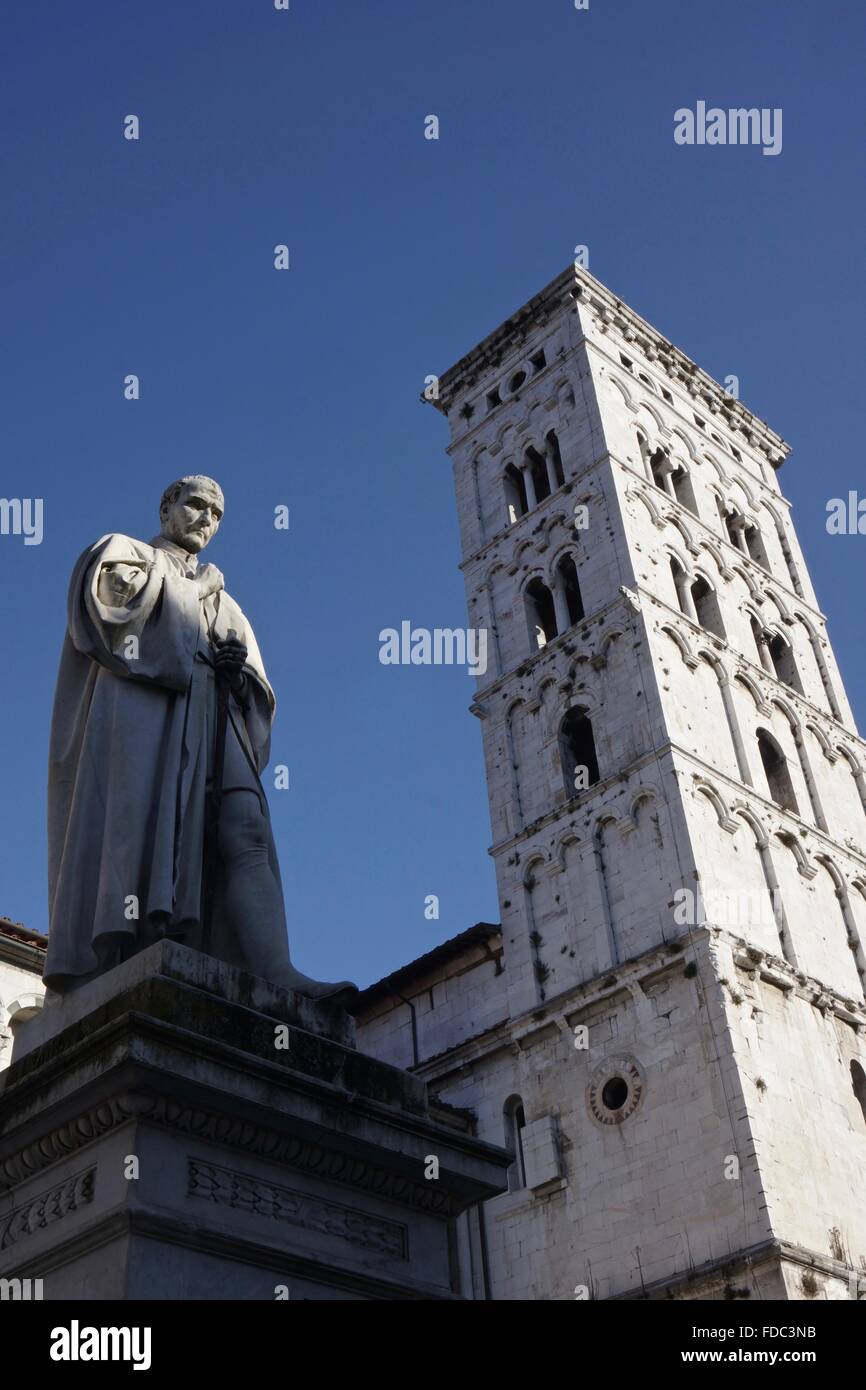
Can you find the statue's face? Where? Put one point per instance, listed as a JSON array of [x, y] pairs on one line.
[[193, 517]]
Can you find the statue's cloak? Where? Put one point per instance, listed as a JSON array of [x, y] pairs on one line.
[[131, 752]]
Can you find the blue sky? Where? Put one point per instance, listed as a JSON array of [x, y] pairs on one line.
[[301, 387]]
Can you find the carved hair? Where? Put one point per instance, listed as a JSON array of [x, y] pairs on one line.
[[173, 491]]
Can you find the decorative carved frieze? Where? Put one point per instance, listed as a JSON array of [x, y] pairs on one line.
[[222, 1129], [243, 1192], [50, 1206]]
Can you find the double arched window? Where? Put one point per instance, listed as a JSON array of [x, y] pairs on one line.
[[551, 612], [539, 474]]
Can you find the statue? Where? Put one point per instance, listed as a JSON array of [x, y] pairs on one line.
[[158, 824]]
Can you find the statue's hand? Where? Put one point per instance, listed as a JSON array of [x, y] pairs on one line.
[[209, 580], [229, 661]]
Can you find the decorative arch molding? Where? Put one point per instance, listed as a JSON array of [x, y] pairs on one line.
[[742, 811], [646, 792], [563, 549], [723, 476], [517, 703], [560, 848], [535, 572], [765, 505], [720, 806], [680, 436], [714, 659], [654, 510], [624, 824], [826, 746], [615, 380], [547, 682], [786, 616], [650, 408], [745, 678], [681, 642], [778, 702], [797, 615], [530, 878], [702, 571], [521, 550], [503, 435], [834, 871], [746, 488], [724, 570], [673, 554], [586, 699], [546, 697], [754, 588], [804, 863], [849, 756], [532, 441], [751, 610], [608, 637], [684, 530]]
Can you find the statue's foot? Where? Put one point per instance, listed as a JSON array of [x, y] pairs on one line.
[[339, 992]]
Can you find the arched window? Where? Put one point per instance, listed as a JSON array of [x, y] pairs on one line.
[[567, 574], [514, 1116], [784, 665], [538, 468], [707, 607], [645, 451], [577, 751], [515, 493], [858, 1081], [755, 547], [540, 613], [760, 642], [659, 466], [777, 774], [555, 456], [683, 490], [732, 525], [681, 585]]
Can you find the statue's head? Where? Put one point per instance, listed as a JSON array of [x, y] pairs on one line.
[[190, 512]]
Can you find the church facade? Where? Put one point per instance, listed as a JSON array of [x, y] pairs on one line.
[[668, 1029]]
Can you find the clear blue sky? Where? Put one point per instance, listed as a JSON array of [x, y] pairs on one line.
[[302, 387]]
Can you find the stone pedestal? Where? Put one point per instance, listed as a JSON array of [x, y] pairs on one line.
[[157, 1142]]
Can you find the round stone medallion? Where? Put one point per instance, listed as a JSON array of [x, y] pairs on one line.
[[615, 1090]]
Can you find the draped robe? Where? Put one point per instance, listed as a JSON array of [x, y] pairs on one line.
[[131, 755]]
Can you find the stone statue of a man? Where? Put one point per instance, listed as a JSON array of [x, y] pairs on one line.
[[133, 758]]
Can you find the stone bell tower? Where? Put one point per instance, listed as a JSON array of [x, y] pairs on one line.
[[678, 806]]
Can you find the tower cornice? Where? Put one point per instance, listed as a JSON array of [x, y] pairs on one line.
[[608, 312]]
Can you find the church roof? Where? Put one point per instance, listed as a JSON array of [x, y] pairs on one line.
[[445, 951], [16, 931]]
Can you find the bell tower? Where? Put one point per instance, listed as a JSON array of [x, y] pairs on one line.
[[678, 809]]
